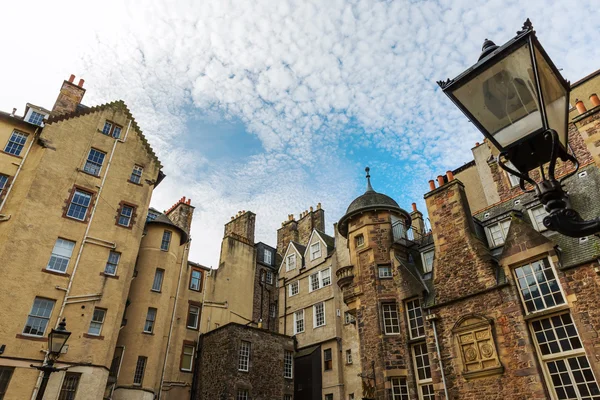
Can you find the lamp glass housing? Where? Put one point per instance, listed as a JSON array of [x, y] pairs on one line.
[[503, 98], [56, 340]]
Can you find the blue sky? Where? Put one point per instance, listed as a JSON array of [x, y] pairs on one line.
[[274, 106]]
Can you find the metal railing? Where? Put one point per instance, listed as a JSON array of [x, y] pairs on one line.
[[402, 232]]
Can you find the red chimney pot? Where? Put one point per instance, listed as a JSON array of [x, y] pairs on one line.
[[431, 184], [595, 100], [440, 179], [450, 175], [71, 78], [80, 84], [414, 206], [580, 106]]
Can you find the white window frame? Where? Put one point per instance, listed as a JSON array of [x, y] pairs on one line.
[[290, 265], [292, 285], [153, 320], [197, 314], [399, 384], [325, 273], [136, 174], [426, 381], [15, 139], [243, 394], [298, 319], [94, 163], [268, 256], [360, 240], [140, 370], [63, 257], [32, 120], [162, 277], [269, 277], [322, 303], [538, 225], [99, 323], [503, 230], [413, 321], [288, 364], [244, 356], [424, 257], [315, 251], [390, 329], [43, 317], [273, 310], [108, 262], [188, 346], [381, 271], [514, 180], [553, 269], [312, 278], [349, 318]]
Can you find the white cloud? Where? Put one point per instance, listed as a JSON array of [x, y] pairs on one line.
[[317, 82]]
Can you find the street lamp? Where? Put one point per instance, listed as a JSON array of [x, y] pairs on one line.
[[57, 338], [518, 99]]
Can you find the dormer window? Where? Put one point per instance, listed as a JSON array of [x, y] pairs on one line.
[[290, 262], [496, 233], [267, 256], [36, 118], [315, 251]]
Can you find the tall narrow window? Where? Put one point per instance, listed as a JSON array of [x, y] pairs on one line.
[[315, 250], [68, 390], [243, 394], [273, 310], [327, 360], [97, 321], [166, 241], [290, 262], [93, 164], [288, 364], [514, 180], [319, 314], [348, 356], [112, 263], [326, 277], [125, 215], [244, 356], [299, 321], [116, 133], [391, 322], [423, 376], [110, 129], [314, 281], [427, 258], [187, 357], [115, 365], [269, 277], [415, 319], [267, 256], [15, 143], [193, 317], [136, 174], [5, 375], [107, 128], [196, 280], [80, 202], [294, 288], [140, 368], [329, 396], [158, 280], [150, 319], [38, 318], [399, 389], [537, 215], [3, 184], [61, 255]]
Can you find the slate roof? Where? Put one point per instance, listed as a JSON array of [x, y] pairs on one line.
[[329, 241], [163, 219]]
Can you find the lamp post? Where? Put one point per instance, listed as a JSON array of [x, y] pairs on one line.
[[56, 341], [518, 99]]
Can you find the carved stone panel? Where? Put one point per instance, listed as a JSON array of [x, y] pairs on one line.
[[477, 347]]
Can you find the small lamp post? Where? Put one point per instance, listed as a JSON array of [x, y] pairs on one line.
[[57, 338], [518, 99]]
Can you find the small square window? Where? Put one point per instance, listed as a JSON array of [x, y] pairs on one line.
[[36, 118], [360, 240], [97, 321], [16, 143], [61, 255], [107, 128], [93, 164], [537, 215], [385, 271], [80, 202], [126, 215]]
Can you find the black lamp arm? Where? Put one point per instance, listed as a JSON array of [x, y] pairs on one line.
[[522, 178]]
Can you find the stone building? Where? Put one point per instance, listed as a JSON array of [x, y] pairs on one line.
[[311, 309], [240, 362], [504, 309], [75, 186], [243, 289]]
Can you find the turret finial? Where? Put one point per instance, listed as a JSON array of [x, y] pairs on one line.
[[369, 187]]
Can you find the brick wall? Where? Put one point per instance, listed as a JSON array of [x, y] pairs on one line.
[[217, 376]]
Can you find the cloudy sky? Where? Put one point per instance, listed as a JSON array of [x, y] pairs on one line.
[[273, 106]]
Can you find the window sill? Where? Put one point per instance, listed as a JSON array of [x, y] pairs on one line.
[[132, 182], [148, 333], [83, 221], [32, 338], [109, 275], [49, 271], [165, 250], [87, 173], [191, 328], [155, 291], [189, 371], [97, 337], [10, 154], [386, 277], [130, 226]]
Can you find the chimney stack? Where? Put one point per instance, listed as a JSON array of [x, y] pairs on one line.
[[242, 226], [595, 100], [181, 214], [69, 97], [418, 224], [13, 113], [414, 206], [580, 106]]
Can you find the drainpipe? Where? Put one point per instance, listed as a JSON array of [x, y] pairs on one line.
[[432, 318], [183, 261], [19, 168]]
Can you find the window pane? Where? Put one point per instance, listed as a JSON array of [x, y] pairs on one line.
[[140, 367], [79, 205], [68, 389], [136, 174], [166, 240], [326, 277], [415, 319], [539, 286], [422, 361], [15, 143], [61, 254], [187, 358], [299, 321], [193, 314], [112, 263], [5, 375], [288, 362], [399, 389], [107, 127], [314, 281], [390, 318], [125, 216], [244, 356], [93, 165], [38, 317], [158, 278], [319, 313]]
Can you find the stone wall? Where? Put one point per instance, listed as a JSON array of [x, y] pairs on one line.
[[242, 226], [181, 213], [217, 375], [265, 294]]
